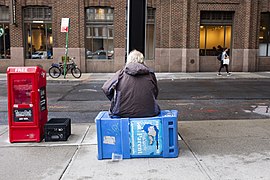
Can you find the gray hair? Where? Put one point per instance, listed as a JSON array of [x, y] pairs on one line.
[[135, 57]]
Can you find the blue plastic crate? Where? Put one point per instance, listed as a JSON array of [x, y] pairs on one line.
[[137, 137]]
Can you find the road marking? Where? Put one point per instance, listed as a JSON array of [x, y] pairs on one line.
[[87, 90], [57, 107], [183, 104]]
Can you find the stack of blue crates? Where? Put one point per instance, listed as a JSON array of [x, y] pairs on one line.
[[138, 137]]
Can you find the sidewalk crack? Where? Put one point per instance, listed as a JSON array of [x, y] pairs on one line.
[[5, 131], [75, 153], [199, 164]]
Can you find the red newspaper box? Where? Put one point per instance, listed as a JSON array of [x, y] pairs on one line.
[[27, 103]]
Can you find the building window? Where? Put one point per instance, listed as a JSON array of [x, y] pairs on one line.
[[150, 34], [264, 37], [38, 32], [99, 33], [215, 32], [213, 39], [4, 33]]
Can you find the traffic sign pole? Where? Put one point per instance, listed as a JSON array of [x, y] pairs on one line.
[[65, 28], [66, 53]]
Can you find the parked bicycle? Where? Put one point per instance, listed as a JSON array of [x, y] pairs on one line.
[[57, 69]]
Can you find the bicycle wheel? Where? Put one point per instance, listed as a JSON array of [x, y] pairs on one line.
[[76, 72], [54, 72]]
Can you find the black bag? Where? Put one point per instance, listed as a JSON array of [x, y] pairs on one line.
[[219, 57]]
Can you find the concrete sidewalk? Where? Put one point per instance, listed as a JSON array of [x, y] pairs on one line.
[[209, 150]]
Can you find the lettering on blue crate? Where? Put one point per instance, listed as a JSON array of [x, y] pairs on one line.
[[146, 137], [109, 140], [114, 129]]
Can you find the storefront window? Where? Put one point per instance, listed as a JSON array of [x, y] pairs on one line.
[[215, 32], [99, 33], [264, 37], [213, 39], [150, 34], [38, 33], [4, 33]]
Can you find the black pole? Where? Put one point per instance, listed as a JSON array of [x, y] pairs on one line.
[[136, 25]]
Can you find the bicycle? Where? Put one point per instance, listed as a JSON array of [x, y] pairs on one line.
[[57, 69]]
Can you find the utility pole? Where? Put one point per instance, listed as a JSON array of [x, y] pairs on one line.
[[136, 25]]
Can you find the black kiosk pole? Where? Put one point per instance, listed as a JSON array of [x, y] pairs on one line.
[[136, 25]]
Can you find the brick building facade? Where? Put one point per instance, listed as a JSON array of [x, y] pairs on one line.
[[178, 43]]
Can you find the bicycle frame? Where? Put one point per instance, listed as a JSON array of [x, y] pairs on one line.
[[57, 69], [69, 66]]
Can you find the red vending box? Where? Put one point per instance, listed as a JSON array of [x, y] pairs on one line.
[[27, 103]]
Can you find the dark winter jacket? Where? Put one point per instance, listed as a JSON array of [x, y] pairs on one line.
[[133, 92]]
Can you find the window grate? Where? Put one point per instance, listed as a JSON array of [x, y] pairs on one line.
[[216, 16], [4, 11], [37, 13], [99, 14]]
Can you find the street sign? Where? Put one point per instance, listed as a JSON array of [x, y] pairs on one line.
[[64, 24]]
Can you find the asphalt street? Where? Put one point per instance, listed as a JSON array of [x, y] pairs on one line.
[[196, 100]]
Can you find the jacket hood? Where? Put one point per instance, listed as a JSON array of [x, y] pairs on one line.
[[136, 69]]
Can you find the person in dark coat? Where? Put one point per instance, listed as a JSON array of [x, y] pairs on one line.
[[133, 90]]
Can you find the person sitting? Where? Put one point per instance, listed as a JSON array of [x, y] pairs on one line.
[[133, 90]]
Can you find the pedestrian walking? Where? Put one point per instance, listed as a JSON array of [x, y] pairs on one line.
[[224, 62]]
